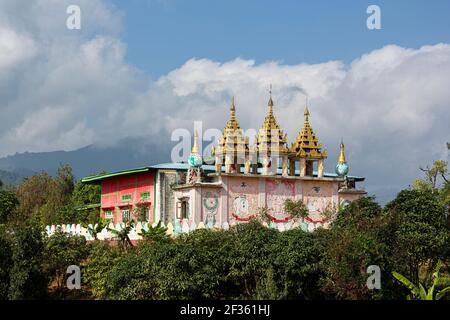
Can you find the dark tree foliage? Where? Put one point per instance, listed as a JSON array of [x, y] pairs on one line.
[[247, 262], [5, 264], [354, 242], [83, 196], [418, 232], [61, 251], [27, 278], [294, 267], [8, 205], [96, 268]]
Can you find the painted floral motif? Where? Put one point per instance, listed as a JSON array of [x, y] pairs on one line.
[[318, 201], [277, 192], [243, 199], [211, 202]]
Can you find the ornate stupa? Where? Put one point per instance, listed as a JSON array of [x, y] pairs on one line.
[[271, 143], [195, 161], [195, 158], [342, 166], [232, 148], [308, 149]]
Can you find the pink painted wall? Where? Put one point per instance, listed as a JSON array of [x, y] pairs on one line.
[[243, 198], [132, 184]]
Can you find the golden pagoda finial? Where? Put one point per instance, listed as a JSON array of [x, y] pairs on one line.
[[306, 113], [342, 153], [307, 145], [195, 148], [270, 104], [232, 122]]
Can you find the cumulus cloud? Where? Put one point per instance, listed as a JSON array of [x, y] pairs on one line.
[[64, 89]]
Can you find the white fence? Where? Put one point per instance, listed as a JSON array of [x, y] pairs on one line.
[[179, 227]]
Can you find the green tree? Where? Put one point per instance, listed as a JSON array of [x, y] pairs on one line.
[[354, 242], [58, 208], [33, 194], [192, 266], [5, 264], [439, 169], [8, 205], [294, 267], [123, 234], [85, 195], [250, 243], [61, 251], [100, 262], [155, 234], [296, 209], [27, 279], [418, 232], [96, 228]]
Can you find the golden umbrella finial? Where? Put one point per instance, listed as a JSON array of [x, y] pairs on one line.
[[195, 148], [270, 104], [342, 153], [306, 113]]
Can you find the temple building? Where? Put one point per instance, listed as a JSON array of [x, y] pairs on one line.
[[243, 181]]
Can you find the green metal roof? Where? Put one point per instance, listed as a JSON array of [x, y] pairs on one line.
[[100, 177], [89, 206], [185, 166]]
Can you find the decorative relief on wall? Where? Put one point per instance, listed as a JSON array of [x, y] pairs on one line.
[[243, 199], [277, 191], [318, 199], [210, 205]]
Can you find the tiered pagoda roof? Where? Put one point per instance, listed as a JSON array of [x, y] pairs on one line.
[[232, 141], [271, 139], [307, 145]]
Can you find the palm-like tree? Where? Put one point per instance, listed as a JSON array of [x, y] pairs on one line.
[[96, 228], [419, 292], [154, 234], [123, 234]]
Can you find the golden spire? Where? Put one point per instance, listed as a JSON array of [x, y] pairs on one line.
[[232, 122], [270, 137], [341, 153], [306, 113], [232, 141], [195, 148], [270, 104], [307, 145]]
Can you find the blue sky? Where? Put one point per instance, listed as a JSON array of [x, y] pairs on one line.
[[163, 34]]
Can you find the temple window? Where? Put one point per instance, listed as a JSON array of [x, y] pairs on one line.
[[126, 215], [183, 208], [147, 214], [126, 197], [109, 214]]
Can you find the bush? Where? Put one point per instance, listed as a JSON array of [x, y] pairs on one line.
[[98, 265], [61, 251], [27, 279]]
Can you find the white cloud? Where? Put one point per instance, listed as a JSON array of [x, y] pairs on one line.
[[60, 89]]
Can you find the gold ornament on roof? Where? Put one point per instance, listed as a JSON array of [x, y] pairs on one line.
[[232, 141], [306, 145], [342, 153], [270, 138], [195, 149]]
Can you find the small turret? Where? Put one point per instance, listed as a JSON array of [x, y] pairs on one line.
[[342, 166]]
